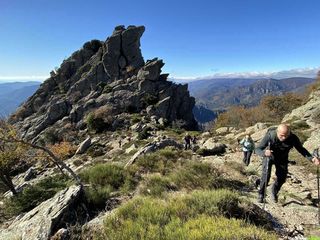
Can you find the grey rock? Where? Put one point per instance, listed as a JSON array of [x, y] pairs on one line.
[[84, 146], [40, 222], [30, 174], [152, 147]]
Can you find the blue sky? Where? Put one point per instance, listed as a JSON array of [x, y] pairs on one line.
[[194, 38]]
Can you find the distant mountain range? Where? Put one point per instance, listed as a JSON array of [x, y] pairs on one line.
[[212, 96], [14, 94], [218, 94]]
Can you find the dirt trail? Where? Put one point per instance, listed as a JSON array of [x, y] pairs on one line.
[[296, 214]]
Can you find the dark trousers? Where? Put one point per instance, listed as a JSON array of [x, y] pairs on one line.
[[246, 157], [187, 145], [281, 174]]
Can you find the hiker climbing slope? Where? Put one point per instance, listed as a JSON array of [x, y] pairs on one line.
[[274, 148], [247, 148]]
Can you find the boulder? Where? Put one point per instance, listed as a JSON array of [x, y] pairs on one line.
[[84, 146], [41, 222]]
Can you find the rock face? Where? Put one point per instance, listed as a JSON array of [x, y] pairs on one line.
[[310, 113], [111, 73], [40, 222]]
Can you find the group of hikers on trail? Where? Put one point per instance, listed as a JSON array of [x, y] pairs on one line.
[[274, 149], [188, 140]]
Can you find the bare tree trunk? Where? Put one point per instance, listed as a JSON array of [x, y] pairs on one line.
[[8, 182], [54, 158]]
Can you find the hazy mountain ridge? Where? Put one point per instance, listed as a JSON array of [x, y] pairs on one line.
[[220, 94], [14, 94]]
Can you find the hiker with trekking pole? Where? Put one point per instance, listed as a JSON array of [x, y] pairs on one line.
[[274, 149]]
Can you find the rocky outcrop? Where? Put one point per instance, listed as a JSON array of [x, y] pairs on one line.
[[111, 73], [152, 147], [41, 222], [310, 114]]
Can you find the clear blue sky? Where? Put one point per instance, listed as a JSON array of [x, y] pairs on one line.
[[194, 38]]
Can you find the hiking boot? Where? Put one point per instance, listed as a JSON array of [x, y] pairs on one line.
[[274, 197], [274, 194], [260, 198]]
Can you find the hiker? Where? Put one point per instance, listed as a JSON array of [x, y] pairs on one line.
[[187, 142], [274, 148], [247, 148], [194, 140]]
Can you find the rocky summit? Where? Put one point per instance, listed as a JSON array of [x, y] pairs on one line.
[[111, 75]]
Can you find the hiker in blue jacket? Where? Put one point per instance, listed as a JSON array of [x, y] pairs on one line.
[[247, 148], [274, 148]]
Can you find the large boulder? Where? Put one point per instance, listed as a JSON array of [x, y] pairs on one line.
[[41, 222]]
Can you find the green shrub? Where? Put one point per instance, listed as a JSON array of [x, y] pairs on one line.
[[50, 137], [176, 218], [97, 196], [213, 203], [161, 161], [209, 152], [156, 186], [196, 175], [144, 134], [104, 174], [32, 196], [95, 124], [103, 179]]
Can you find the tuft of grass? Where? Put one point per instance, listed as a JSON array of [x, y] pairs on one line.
[[103, 179], [195, 175], [157, 185], [162, 161], [199, 216]]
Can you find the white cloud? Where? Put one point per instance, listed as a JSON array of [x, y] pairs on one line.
[[23, 78], [298, 72]]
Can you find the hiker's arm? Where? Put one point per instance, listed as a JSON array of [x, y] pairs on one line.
[[304, 152], [260, 149]]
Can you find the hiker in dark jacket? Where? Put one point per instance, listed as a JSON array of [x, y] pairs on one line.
[[187, 141], [274, 148]]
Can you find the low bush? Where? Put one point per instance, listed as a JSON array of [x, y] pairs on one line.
[[103, 179], [156, 186], [195, 175], [163, 161], [199, 216]]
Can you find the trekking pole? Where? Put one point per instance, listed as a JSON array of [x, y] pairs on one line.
[[266, 180], [265, 183], [318, 195], [316, 154]]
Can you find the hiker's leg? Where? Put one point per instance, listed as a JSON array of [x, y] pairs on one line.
[[244, 157], [249, 153], [266, 172], [281, 173]]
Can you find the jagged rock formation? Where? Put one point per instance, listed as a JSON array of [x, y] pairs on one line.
[[111, 73]]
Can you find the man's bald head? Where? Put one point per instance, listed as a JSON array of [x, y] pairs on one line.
[[283, 132]]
